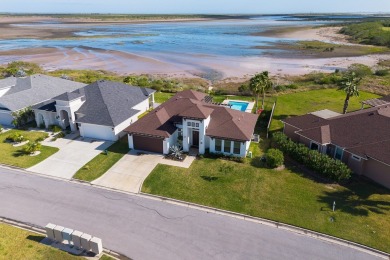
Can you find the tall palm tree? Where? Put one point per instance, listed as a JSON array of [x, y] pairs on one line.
[[259, 84], [350, 86]]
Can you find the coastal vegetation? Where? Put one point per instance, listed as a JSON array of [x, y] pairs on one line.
[[373, 33]]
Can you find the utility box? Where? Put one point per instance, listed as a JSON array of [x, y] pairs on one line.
[[58, 233], [96, 245], [85, 238], [67, 234], [50, 231], [76, 238]]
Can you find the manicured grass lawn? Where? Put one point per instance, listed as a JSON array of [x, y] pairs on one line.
[[161, 97], [14, 155], [101, 163], [362, 209], [17, 243], [301, 103]]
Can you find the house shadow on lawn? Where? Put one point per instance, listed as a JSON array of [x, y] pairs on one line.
[[355, 199]]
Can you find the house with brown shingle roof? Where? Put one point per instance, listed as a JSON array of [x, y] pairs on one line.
[[191, 119], [360, 139]]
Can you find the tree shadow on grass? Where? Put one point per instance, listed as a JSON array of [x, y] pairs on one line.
[[19, 153], [355, 199], [209, 178]]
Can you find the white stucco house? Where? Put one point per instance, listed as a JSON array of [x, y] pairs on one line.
[[20, 93], [191, 120], [101, 110]]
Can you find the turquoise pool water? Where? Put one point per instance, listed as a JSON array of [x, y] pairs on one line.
[[236, 105]]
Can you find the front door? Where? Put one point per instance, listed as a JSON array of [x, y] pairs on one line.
[[195, 138]]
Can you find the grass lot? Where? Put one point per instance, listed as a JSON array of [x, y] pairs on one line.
[[25, 245], [14, 155], [304, 102], [101, 163], [362, 209]]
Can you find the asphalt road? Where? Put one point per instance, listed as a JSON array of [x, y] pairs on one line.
[[141, 228]]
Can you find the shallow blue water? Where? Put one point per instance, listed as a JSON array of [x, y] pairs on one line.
[[241, 106], [223, 37]]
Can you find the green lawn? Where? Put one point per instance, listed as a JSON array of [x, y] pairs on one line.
[[14, 155], [362, 209], [101, 163], [17, 243], [301, 103]]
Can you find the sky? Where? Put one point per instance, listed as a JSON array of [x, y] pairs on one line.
[[194, 6]]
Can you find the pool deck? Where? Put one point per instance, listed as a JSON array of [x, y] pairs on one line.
[[248, 109]]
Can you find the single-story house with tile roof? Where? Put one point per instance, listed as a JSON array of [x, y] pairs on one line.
[[360, 139], [101, 110], [190, 119], [20, 93]]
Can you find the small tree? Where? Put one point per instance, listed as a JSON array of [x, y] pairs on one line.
[[259, 84], [274, 158], [350, 86], [32, 147]]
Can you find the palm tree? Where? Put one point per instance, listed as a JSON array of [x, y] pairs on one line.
[[350, 86], [259, 84]]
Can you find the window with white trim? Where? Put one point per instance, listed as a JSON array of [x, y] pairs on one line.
[[338, 153], [236, 147], [218, 145], [226, 147]]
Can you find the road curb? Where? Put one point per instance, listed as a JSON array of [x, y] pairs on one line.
[[41, 230], [263, 221], [275, 224]]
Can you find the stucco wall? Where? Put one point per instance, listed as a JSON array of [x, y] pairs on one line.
[[377, 171], [143, 106]]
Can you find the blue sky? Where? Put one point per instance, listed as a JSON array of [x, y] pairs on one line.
[[193, 6]]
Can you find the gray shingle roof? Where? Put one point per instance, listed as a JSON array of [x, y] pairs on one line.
[[34, 89], [110, 103], [69, 96]]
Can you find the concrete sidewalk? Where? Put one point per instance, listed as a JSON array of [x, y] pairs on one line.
[[129, 173]]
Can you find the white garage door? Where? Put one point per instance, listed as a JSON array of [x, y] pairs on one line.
[[97, 132], [5, 118]]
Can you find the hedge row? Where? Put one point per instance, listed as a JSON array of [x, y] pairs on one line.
[[321, 163]]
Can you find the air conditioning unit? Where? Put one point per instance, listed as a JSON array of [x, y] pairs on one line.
[[50, 230]]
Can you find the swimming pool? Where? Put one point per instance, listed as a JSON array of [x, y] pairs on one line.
[[236, 105]]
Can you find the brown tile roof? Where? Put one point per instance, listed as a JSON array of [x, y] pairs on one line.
[[225, 122], [364, 131]]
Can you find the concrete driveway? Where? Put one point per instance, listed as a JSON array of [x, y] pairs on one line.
[[129, 173], [73, 155]]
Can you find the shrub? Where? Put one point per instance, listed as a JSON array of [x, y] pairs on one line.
[[322, 164], [274, 157], [17, 138], [381, 73], [42, 138], [360, 70], [32, 147], [55, 128]]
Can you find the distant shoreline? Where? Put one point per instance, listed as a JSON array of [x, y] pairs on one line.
[[307, 55]]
